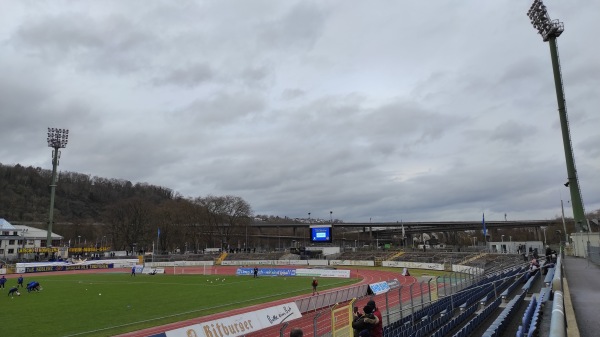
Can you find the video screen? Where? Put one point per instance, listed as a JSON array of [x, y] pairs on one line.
[[320, 234]]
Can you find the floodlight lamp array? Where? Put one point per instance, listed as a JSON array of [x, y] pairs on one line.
[[547, 28], [58, 138]]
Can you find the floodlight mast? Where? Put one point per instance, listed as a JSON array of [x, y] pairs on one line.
[[57, 139], [550, 30]]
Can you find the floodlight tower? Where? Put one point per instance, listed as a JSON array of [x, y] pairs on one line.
[[550, 30], [57, 139]]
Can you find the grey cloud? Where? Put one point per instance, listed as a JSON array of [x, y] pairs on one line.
[[299, 28], [512, 132], [590, 146], [109, 43], [290, 94], [223, 109], [189, 76], [254, 75]]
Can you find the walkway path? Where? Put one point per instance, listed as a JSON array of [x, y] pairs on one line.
[[583, 278]]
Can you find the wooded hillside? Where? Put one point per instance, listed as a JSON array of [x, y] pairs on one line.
[[95, 210]]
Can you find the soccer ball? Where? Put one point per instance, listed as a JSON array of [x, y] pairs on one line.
[[18, 293]]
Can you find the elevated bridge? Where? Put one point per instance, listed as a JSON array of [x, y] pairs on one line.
[[389, 230]]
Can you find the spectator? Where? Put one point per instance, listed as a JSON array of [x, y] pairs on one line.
[[534, 265], [365, 333], [296, 332], [378, 329], [550, 255], [364, 324]]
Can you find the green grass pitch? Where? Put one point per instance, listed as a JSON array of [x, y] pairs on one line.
[[107, 304]]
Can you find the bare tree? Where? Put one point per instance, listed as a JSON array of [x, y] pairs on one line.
[[130, 223], [226, 215]]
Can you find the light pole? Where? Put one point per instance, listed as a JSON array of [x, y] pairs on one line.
[[24, 241], [309, 224], [57, 139], [502, 237], [474, 238], [102, 248], [550, 30], [544, 229], [562, 209]]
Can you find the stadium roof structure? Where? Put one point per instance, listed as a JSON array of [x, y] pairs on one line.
[[6, 226], [32, 233]]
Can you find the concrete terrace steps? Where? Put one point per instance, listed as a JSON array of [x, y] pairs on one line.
[[221, 258], [478, 256], [398, 254]]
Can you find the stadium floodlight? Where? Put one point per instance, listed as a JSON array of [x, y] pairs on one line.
[[550, 30], [546, 27], [57, 139]]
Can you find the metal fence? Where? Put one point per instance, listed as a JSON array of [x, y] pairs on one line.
[[394, 305], [594, 254]]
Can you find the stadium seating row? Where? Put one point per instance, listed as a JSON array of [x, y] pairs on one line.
[[476, 321], [499, 325], [438, 316], [469, 299], [454, 322]]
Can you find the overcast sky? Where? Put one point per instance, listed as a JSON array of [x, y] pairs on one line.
[[385, 110]]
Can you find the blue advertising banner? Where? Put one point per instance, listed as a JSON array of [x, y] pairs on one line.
[[266, 272], [379, 287]]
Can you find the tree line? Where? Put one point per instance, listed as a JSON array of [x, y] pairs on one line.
[[91, 210]]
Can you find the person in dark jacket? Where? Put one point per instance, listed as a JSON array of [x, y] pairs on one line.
[[14, 291], [378, 330], [365, 333], [367, 321]]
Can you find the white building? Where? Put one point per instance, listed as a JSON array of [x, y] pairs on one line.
[[24, 242], [512, 247], [580, 241]]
